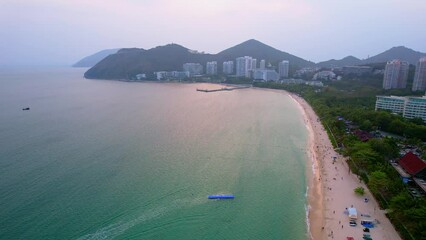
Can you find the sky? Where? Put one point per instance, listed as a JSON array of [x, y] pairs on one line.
[[60, 32]]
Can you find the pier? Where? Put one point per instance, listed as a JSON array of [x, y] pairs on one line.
[[221, 89]]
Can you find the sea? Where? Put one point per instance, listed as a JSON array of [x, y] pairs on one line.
[[102, 159]]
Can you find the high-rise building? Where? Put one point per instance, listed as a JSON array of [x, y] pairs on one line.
[[244, 66], [253, 63], [283, 69], [396, 74], [211, 68], [419, 83], [193, 68], [262, 64], [228, 67]]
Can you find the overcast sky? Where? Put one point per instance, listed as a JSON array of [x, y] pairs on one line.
[[55, 32]]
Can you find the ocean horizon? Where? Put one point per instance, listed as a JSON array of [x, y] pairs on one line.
[[100, 159]]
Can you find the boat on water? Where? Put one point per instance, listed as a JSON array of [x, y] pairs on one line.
[[26, 109], [221, 196]]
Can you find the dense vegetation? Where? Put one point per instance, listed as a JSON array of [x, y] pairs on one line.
[[354, 100]]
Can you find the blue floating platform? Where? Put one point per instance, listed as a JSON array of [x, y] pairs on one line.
[[221, 197]]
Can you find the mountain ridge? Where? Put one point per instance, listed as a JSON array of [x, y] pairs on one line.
[[399, 52], [171, 57], [127, 62], [93, 59]]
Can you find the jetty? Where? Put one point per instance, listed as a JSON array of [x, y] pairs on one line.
[[221, 89]]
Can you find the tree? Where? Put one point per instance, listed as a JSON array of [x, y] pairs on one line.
[[379, 182], [359, 191]]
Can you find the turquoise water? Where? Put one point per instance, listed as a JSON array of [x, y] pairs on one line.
[[97, 159]]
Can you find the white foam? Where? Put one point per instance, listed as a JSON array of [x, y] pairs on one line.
[[116, 229]]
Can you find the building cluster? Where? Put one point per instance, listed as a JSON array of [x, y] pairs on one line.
[[247, 67], [409, 107], [396, 75], [324, 75], [244, 67]]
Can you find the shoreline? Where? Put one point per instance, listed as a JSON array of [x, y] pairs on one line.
[[331, 187]]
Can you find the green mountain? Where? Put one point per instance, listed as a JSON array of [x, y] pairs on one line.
[[91, 60], [259, 50], [347, 61], [126, 63], [400, 52]]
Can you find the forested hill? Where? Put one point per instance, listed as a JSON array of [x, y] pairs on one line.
[[125, 64]]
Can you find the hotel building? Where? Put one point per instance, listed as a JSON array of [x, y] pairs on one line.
[[409, 107]]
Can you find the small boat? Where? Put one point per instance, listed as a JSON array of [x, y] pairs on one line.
[[221, 196], [26, 109]]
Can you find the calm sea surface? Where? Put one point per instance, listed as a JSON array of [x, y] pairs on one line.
[[96, 159]]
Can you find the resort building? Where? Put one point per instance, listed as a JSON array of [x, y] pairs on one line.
[[396, 74], [244, 66], [228, 67], [392, 103], [283, 69], [193, 68], [409, 107], [265, 75], [419, 83], [415, 107], [324, 75], [211, 68]]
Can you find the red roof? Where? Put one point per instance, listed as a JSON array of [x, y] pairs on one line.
[[411, 163]]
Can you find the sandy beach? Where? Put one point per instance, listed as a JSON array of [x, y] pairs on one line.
[[331, 190]]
